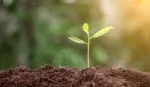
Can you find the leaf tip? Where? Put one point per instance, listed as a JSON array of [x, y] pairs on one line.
[[85, 27], [110, 27]]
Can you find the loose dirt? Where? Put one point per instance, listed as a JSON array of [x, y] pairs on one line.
[[49, 76]]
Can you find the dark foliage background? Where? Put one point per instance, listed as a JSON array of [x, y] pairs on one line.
[[35, 32]]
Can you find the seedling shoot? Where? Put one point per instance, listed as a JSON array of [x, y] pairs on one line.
[[85, 28]]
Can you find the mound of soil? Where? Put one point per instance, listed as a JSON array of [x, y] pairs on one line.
[[49, 76]]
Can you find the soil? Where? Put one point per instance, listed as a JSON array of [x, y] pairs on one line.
[[49, 76]]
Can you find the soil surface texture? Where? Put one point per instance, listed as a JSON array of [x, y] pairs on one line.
[[49, 76]]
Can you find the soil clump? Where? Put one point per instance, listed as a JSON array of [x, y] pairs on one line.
[[49, 76]]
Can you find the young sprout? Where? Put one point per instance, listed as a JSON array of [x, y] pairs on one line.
[[85, 28]]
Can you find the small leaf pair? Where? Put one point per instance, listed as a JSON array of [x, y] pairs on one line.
[[86, 30]]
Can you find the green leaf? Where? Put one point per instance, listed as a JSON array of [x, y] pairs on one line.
[[77, 40], [101, 32], [86, 28]]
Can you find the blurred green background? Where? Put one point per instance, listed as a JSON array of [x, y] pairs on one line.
[[35, 32]]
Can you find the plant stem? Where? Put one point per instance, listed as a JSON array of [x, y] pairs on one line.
[[88, 52]]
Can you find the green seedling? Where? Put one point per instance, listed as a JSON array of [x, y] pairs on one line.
[[85, 28]]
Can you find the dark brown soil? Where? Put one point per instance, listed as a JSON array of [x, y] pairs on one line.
[[50, 76]]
